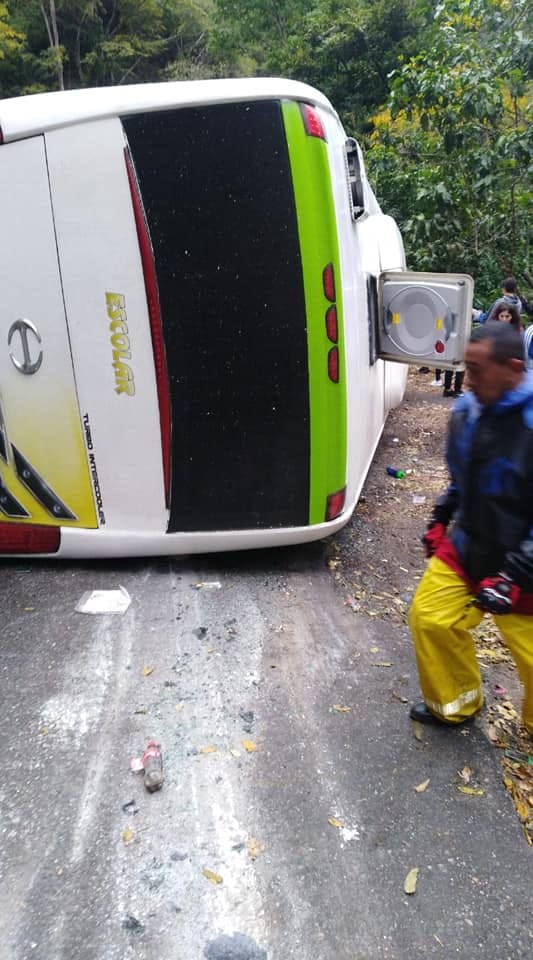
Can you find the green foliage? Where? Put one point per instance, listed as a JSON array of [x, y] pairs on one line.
[[347, 49], [344, 47], [11, 47], [247, 34], [106, 41], [452, 155], [10, 39]]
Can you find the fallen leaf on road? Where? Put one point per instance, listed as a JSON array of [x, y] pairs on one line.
[[249, 745], [422, 786], [333, 822], [211, 748], [494, 656], [520, 790], [341, 708], [127, 836], [522, 809], [381, 663], [466, 774], [146, 671], [212, 876], [179, 707], [254, 848], [471, 791], [506, 709], [410, 881], [400, 697], [418, 730], [234, 752]]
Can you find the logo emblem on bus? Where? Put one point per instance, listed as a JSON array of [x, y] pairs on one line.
[[26, 341]]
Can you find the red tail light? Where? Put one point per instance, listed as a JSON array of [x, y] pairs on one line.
[[335, 504], [331, 324], [328, 282], [28, 538], [333, 364], [156, 326], [312, 122]]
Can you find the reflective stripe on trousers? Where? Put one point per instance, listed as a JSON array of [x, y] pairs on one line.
[[441, 618]]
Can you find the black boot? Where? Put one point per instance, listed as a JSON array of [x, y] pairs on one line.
[[422, 713]]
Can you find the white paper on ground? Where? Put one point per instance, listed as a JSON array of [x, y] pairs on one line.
[[104, 601]]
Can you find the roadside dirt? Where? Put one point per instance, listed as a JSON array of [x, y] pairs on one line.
[[378, 557], [377, 561]]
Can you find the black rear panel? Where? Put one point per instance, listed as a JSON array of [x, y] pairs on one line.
[[218, 197]]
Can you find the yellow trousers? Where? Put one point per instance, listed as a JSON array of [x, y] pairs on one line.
[[441, 618]]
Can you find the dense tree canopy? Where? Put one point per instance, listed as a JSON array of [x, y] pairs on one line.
[[437, 91], [452, 151], [79, 43]]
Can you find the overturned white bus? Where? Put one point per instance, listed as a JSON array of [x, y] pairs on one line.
[[198, 285]]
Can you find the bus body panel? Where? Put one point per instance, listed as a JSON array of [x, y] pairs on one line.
[[108, 323], [40, 112], [319, 244], [129, 543], [368, 400], [44, 473]]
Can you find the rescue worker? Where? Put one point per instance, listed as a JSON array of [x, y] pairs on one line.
[[485, 562]]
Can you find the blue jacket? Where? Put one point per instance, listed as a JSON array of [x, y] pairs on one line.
[[490, 496]]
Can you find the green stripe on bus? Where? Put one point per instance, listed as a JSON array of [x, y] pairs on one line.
[[319, 246]]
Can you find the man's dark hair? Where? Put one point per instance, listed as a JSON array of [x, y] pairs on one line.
[[510, 285], [507, 343]]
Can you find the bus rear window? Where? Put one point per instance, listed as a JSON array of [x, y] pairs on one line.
[[217, 191]]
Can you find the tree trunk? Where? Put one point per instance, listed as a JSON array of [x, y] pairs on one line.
[[50, 22]]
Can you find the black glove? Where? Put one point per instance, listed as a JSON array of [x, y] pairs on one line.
[[498, 594]]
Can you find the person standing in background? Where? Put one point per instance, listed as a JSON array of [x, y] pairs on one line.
[[509, 294], [505, 312], [457, 389]]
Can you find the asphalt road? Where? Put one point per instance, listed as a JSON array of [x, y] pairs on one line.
[[288, 818]]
